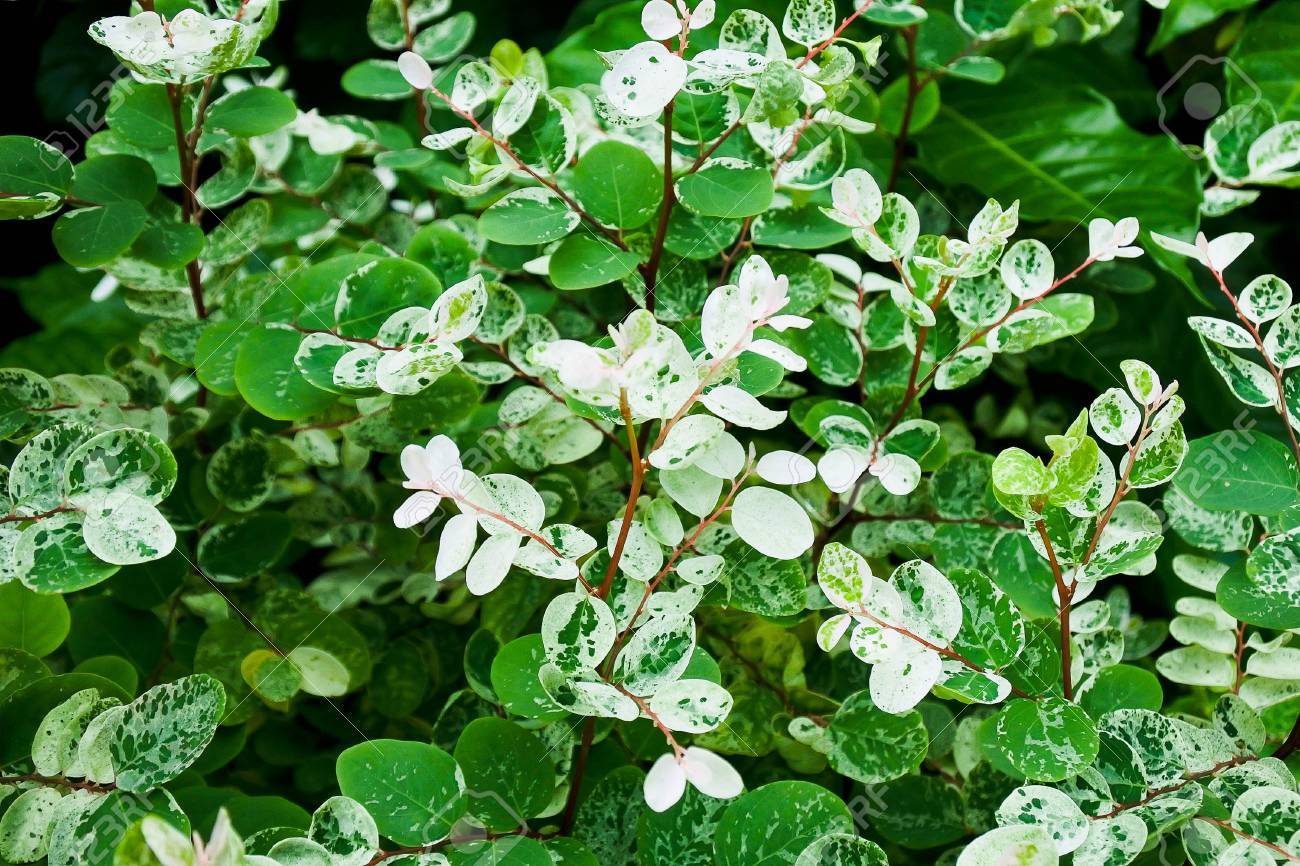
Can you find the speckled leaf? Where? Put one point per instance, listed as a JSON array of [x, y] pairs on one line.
[[165, 730], [656, 654], [344, 828], [775, 823], [578, 631], [873, 746], [1112, 841], [1050, 809], [25, 827], [1045, 740]]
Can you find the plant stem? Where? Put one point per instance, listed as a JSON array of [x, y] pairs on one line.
[[189, 201], [804, 61], [1066, 595], [650, 271], [421, 108], [57, 781], [1276, 849], [1268, 362], [946, 652], [608, 233], [1290, 744], [20, 518], [638, 476], [909, 108], [1186, 780], [579, 768], [686, 545], [980, 334]]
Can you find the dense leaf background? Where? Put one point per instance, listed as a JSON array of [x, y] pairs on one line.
[[1074, 131]]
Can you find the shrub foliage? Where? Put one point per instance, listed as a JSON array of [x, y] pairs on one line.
[[609, 462]]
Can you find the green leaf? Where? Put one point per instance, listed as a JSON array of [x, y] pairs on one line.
[[1268, 65], [584, 261], [1122, 687], [93, 236], [508, 769], [344, 828], [127, 460], [1087, 163], [775, 823], [377, 289], [1184, 16], [242, 548], [919, 812], [242, 473], [115, 177], [35, 623], [763, 585], [376, 79], [169, 245], [578, 631], [29, 166], [267, 378], [683, 834], [833, 354], [993, 631], [252, 111], [528, 216], [214, 357], [618, 184], [141, 114], [727, 189], [165, 730], [412, 790], [53, 557], [893, 104], [1255, 603], [515, 679], [842, 849], [799, 228], [102, 625], [1233, 471], [444, 40], [607, 818]]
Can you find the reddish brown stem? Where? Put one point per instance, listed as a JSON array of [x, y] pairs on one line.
[[650, 273], [421, 107], [608, 233], [1255, 840], [189, 201], [20, 518], [1268, 362], [638, 476], [1066, 594], [946, 652], [579, 768], [1176, 786], [58, 781]]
